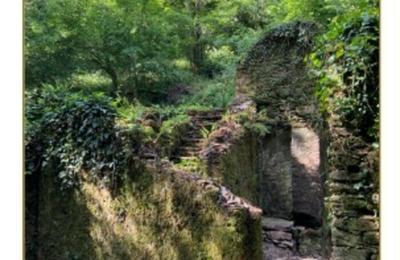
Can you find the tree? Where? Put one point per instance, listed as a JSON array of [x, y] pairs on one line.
[[128, 40]]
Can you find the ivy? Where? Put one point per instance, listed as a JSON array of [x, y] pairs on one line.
[[345, 62], [79, 136]]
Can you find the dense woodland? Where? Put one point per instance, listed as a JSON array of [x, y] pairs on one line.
[[97, 71], [122, 58]]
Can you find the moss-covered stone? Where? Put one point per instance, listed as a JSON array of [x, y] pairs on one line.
[[237, 169], [153, 215], [258, 169]]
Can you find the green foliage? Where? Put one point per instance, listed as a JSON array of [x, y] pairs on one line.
[[89, 82], [128, 41], [289, 10], [212, 93], [71, 135], [51, 32], [171, 133], [346, 64], [318, 11], [136, 45], [136, 50], [256, 123]]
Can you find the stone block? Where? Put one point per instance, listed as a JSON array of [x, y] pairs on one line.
[[346, 253], [276, 224], [342, 238]]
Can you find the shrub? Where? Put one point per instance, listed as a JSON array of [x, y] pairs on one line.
[[77, 135]]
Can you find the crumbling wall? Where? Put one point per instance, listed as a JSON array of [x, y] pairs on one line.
[[156, 213], [237, 169], [352, 199], [275, 76], [258, 168], [334, 181], [290, 162]]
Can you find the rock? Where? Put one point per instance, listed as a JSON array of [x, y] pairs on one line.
[[346, 176], [241, 103], [278, 235], [344, 188], [357, 225], [341, 253], [309, 242], [273, 252], [286, 244], [276, 224], [371, 238], [353, 202], [342, 238]]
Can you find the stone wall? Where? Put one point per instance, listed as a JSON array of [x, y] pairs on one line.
[[335, 173], [258, 169], [352, 199], [275, 76], [156, 213], [237, 168], [275, 171]]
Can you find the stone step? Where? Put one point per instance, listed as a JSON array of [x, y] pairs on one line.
[[189, 154], [205, 119], [268, 223], [178, 158], [188, 158], [192, 148], [202, 125], [192, 140], [205, 113]]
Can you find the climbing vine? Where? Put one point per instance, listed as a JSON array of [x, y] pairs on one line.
[[345, 62]]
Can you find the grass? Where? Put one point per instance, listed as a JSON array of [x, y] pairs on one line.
[[212, 93]]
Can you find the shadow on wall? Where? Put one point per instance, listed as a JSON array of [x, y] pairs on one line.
[[153, 215], [64, 224], [50, 219]]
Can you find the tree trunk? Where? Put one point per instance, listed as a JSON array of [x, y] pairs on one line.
[[114, 79], [109, 70], [197, 48]]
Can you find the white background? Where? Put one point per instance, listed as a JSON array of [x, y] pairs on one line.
[[11, 79]]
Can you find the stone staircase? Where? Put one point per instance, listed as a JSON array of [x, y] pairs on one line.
[[187, 154], [283, 240]]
